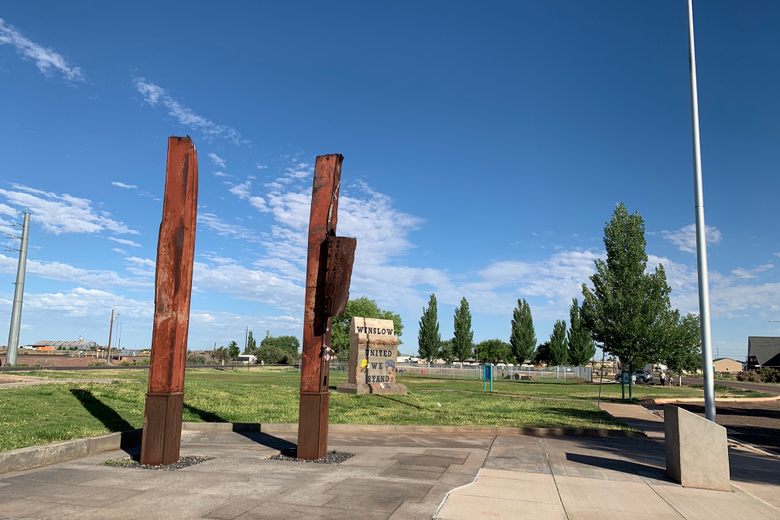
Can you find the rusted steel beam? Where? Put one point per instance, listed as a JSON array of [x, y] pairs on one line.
[[161, 438], [315, 365]]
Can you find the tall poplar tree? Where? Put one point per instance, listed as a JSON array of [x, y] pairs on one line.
[[559, 353], [627, 309], [523, 338], [463, 337], [429, 339], [581, 345]]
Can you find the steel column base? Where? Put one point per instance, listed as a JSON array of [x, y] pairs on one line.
[[161, 439], [313, 425]]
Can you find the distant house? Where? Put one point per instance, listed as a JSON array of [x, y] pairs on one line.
[[726, 365], [763, 351]]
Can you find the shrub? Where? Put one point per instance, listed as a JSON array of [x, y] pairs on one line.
[[769, 375]]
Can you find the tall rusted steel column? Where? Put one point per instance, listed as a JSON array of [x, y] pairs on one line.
[[161, 439], [328, 271]]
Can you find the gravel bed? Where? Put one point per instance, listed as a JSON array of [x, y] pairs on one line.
[[184, 462], [332, 457]]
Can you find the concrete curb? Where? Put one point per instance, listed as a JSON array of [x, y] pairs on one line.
[[411, 428], [672, 400], [35, 456]]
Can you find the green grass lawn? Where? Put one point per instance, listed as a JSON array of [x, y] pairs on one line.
[[41, 414]]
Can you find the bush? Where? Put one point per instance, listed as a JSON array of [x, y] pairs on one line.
[[752, 376], [769, 375]]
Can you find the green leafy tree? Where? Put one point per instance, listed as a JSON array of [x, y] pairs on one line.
[[251, 344], [463, 336], [543, 353], [220, 354], [428, 337], [494, 351], [627, 308], [559, 351], [279, 350], [232, 350], [581, 345], [364, 308], [446, 351], [523, 338], [681, 351]]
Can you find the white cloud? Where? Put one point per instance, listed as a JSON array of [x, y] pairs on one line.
[[261, 166], [155, 95], [217, 160], [221, 174], [242, 191], [685, 237], [124, 242], [69, 273], [225, 229], [119, 250], [8, 211], [46, 59], [230, 277], [743, 273], [63, 213], [82, 302], [124, 186]]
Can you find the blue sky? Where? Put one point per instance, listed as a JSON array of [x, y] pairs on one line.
[[485, 147]]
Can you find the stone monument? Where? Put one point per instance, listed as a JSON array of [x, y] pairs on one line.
[[373, 351]]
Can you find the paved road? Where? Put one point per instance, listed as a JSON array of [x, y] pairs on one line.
[[758, 387]]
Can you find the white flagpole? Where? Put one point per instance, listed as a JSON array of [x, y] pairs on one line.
[[701, 238]]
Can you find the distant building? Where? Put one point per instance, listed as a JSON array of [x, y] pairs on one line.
[[247, 359], [763, 351], [80, 344], [726, 365]]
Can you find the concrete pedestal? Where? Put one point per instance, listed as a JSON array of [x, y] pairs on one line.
[[697, 452], [372, 388]]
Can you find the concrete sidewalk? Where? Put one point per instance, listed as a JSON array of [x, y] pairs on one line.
[[392, 476], [587, 478], [755, 473]]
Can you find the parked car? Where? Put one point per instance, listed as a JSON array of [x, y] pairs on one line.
[[638, 377]]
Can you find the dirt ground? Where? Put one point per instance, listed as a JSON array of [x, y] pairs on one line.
[[42, 360]]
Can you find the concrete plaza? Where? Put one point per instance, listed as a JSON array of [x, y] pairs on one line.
[[394, 476]]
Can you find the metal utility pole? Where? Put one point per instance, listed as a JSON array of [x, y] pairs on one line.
[[16, 310], [110, 333], [701, 237]]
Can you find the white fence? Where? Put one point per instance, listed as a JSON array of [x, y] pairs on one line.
[[500, 372]]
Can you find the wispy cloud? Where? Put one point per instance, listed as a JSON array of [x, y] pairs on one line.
[[242, 191], [69, 273], [124, 186], [685, 237], [217, 160], [225, 229], [46, 59], [63, 213], [8, 211], [124, 242], [155, 95], [743, 273]]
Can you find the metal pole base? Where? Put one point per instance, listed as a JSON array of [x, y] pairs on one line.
[[161, 439], [313, 425]]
